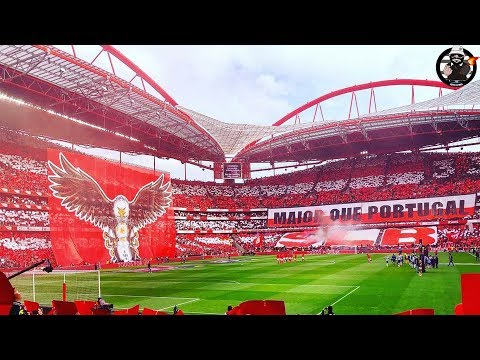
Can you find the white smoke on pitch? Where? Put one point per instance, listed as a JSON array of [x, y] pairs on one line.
[[333, 232]]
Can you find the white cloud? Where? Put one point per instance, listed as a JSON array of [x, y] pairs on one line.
[[271, 86]]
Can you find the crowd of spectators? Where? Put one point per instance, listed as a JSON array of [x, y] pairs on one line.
[[23, 200], [460, 236], [21, 249], [198, 245], [383, 177], [11, 217], [201, 215], [220, 225], [23, 167]]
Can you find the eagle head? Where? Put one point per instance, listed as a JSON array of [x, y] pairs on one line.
[[121, 207]]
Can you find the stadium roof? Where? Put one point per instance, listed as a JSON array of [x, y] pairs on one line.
[[126, 117], [466, 95], [63, 83], [234, 137], [438, 121]]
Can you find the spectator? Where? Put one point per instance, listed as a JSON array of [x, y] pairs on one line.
[[102, 304], [17, 306], [177, 311], [327, 310]]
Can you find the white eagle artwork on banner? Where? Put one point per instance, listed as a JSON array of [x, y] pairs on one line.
[[119, 219]]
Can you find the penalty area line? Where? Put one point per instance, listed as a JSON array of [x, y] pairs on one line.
[[182, 303], [343, 297]]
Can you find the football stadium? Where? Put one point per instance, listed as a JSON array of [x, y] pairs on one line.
[[375, 212]]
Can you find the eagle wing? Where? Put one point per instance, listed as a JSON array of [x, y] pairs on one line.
[[151, 202], [80, 193]]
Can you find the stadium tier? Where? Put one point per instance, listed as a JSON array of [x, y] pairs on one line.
[[206, 215]]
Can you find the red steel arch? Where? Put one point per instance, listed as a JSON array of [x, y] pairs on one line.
[[110, 49], [354, 88], [170, 105]]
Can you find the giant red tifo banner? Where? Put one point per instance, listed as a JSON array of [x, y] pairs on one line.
[[409, 236], [102, 211], [329, 237], [446, 207]]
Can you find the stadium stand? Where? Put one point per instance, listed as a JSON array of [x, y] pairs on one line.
[[202, 209]]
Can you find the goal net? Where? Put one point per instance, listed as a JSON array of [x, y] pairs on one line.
[[44, 287]]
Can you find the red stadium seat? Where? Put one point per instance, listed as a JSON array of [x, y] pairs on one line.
[[5, 309], [147, 311], [420, 311], [134, 310], [259, 307], [31, 306], [84, 307], [96, 311], [64, 307], [470, 286]]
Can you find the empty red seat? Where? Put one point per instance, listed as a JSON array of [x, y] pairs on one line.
[[470, 287], [134, 310], [31, 306], [259, 307], [64, 307], [420, 311], [103, 311], [5, 309], [147, 311], [84, 307]]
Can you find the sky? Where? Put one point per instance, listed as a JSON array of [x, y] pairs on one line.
[[259, 84]]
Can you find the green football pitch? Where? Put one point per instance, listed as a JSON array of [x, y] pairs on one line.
[[348, 282]]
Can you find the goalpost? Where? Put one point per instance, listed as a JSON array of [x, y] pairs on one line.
[[66, 285]]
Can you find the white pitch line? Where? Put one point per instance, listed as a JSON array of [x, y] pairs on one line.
[[182, 303], [343, 297], [160, 297], [349, 286], [473, 255], [461, 264]]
